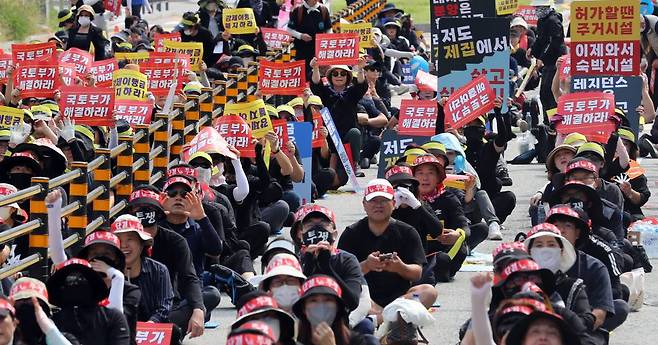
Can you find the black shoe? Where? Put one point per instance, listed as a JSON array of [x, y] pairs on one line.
[[364, 163], [373, 160], [648, 146], [229, 281], [359, 173]]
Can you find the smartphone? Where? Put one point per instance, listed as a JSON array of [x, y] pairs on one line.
[[386, 257]]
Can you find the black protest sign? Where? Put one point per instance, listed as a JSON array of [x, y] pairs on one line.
[[392, 147]]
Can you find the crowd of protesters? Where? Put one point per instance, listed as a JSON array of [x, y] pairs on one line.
[[175, 252]]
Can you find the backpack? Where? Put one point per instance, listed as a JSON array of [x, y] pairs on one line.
[[299, 15]]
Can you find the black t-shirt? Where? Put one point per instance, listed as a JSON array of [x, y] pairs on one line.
[[205, 37], [399, 237], [423, 219]]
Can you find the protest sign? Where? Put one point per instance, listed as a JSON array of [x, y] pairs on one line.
[[417, 117], [134, 112], [238, 21], [588, 113], [300, 134], [80, 58], [529, 14], [340, 149], [426, 81], [407, 75], [237, 133], [470, 47], [37, 78], [67, 73], [625, 90], [337, 49], [149, 333], [158, 40], [565, 67], [465, 8], [605, 37], [87, 105], [5, 62], [392, 147], [159, 58], [282, 78], [10, 116], [209, 141], [468, 103], [33, 52], [254, 114], [103, 70], [136, 57], [505, 7], [280, 128], [129, 84], [193, 49], [161, 77], [364, 30], [317, 139], [113, 6], [275, 38]]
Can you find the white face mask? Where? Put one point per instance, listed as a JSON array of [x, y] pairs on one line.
[[218, 179], [203, 175], [275, 324], [5, 212], [286, 295], [187, 32], [548, 257], [84, 21]]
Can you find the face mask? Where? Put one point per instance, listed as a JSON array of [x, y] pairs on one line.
[[275, 324], [548, 258], [76, 291], [188, 32], [5, 212], [316, 234], [212, 7], [576, 203], [474, 133], [28, 322], [20, 180], [84, 21], [218, 179], [286, 295], [147, 217], [321, 312], [203, 175]]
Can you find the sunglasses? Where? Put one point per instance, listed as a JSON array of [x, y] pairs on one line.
[[339, 74], [172, 193]]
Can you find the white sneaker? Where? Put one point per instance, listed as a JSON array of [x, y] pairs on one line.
[[494, 232]]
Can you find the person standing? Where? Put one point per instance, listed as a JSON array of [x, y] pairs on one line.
[[307, 20], [85, 34]]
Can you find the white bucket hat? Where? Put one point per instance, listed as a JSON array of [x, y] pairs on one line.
[[568, 258]]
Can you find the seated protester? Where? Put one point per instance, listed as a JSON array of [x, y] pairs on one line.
[[372, 122], [322, 314], [341, 97], [391, 28], [282, 280], [484, 157], [33, 311], [192, 31], [12, 215], [77, 290], [453, 244], [595, 153], [597, 264], [388, 12], [277, 211], [418, 214], [151, 276], [376, 82], [390, 251], [279, 245], [73, 148], [542, 326], [253, 331], [635, 190], [85, 34], [247, 53], [314, 233], [556, 162], [602, 212], [190, 301], [259, 306], [408, 31]]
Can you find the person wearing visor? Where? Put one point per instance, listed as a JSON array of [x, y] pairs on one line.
[[258, 306], [85, 34], [192, 31]]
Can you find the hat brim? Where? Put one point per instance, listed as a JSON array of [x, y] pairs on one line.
[[517, 334], [10, 162], [403, 177], [376, 194], [148, 241], [287, 321], [298, 307], [568, 257], [592, 196], [53, 159], [550, 159], [96, 283], [147, 202], [547, 280]]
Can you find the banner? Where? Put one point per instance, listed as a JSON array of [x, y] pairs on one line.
[[468, 103], [161, 77], [80, 58], [158, 40], [159, 58], [113, 6], [5, 62], [392, 147], [340, 149], [465, 8], [425, 80], [193, 49], [605, 37], [254, 114], [129, 84], [67, 74], [134, 112], [625, 90], [103, 71], [529, 14], [10, 117], [208, 140], [300, 134], [275, 38], [469, 47], [282, 78], [364, 30], [33, 52], [237, 133], [134, 58], [91, 106], [280, 127], [407, 75], [149, 333], [417, 118], [587, 113], [505, 7], [317, 140], [37, 78], [565, 67], [238, 21], [337, 49]]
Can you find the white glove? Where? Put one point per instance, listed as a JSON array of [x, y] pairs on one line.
[[19, 134], [67, 131], [406, 197]]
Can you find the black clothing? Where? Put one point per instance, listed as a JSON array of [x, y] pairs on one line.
[[423, 219], [342, 266], [84, 41], [201, 238], [342, 105], [94, 325], [315, 22], [549, 45], [131, 297], [205, 37]]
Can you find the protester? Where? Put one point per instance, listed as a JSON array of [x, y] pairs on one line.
[[307, 20], [85, 34]]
